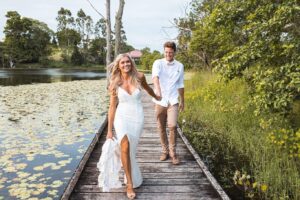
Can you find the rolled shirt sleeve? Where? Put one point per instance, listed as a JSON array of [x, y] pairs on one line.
[[181, 78], [156, 69]]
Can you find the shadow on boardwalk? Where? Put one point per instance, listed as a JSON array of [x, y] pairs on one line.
[[162, 180]]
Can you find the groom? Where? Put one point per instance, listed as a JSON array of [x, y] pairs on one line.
[[167, 75]]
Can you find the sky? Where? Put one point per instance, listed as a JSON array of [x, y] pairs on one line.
[[147, 23]]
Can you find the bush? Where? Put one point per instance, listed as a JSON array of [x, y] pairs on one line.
[[77, 58], [257, 154]]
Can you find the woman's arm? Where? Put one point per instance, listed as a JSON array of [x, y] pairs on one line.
[[156, 86], [111, 113], [147, 87]]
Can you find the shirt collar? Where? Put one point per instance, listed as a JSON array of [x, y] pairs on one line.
[[170, 63]]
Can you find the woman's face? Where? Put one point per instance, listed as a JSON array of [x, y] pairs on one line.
[[125, 65]]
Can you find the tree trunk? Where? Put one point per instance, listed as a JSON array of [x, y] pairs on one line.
[[108, 34], [108, 43], [118, 26]]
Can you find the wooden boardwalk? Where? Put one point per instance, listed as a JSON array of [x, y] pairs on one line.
[[162, 180]]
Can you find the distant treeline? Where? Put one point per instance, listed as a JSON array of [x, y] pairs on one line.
[[76, 41]]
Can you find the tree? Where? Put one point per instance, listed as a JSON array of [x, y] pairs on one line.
[[124, 47], [26, 39], [84, 27], [100, 28], [64, 19], [97, 51], [118, 26], [65, 24], [199, 9], [2, 55], [108, 34], [77, 58], [148, 58], [256, 40], [67, 39]]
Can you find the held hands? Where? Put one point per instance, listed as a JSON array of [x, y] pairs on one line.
[[157, 97]]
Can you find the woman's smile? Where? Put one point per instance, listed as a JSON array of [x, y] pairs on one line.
[[125, 64]]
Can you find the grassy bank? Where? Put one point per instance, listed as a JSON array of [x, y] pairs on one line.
[[239, 147], [58, 64]]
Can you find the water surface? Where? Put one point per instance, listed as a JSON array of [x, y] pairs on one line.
[[45, 129], [29, 76]]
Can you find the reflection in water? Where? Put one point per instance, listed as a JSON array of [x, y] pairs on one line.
[[29, 76], [45, 129]]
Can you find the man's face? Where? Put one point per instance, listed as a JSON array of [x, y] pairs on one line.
[[169, 54]]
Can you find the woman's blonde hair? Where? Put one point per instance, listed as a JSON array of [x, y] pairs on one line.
[[115, 73]]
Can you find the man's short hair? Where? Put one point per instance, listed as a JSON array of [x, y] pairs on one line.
[[171, 45]]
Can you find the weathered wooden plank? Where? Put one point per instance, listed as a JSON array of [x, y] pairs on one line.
[[157, 148], [152, 159], [157, 164], [184, 175], [151, 169], [201, 195], [152, 189], [93, 180], [155, 151]]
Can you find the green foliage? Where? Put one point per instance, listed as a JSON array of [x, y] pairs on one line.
[[124, 47], [68, 38], [220, 122], [64, 19], [257, 40], [77, 58], [84, 24], [100, 28], [148, 58], [97, 51], [3, 60], [276, 89], [26, 39]]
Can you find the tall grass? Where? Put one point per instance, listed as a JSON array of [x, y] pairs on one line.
[[219, 121]]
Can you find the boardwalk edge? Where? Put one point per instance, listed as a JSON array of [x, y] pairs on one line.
[[203, 167], [78, 171]]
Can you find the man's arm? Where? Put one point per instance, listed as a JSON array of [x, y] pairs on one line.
[[181, 99], [181, 90]]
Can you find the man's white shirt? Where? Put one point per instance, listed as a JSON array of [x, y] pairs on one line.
[[170, 76]]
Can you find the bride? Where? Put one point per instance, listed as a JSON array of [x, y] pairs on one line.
[[127, 116]]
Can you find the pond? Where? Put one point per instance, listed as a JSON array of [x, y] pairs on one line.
[[45, 129], [29, 76]]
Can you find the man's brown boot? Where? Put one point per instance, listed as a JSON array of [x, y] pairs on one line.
[[164, 145], [164, 156], [175, 160]]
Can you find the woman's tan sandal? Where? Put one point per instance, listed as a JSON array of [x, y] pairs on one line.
[[130, 192]]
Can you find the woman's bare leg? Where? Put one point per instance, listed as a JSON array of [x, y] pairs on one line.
[[125, 158]]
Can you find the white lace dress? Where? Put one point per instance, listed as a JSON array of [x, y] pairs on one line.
[[129, 120]]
